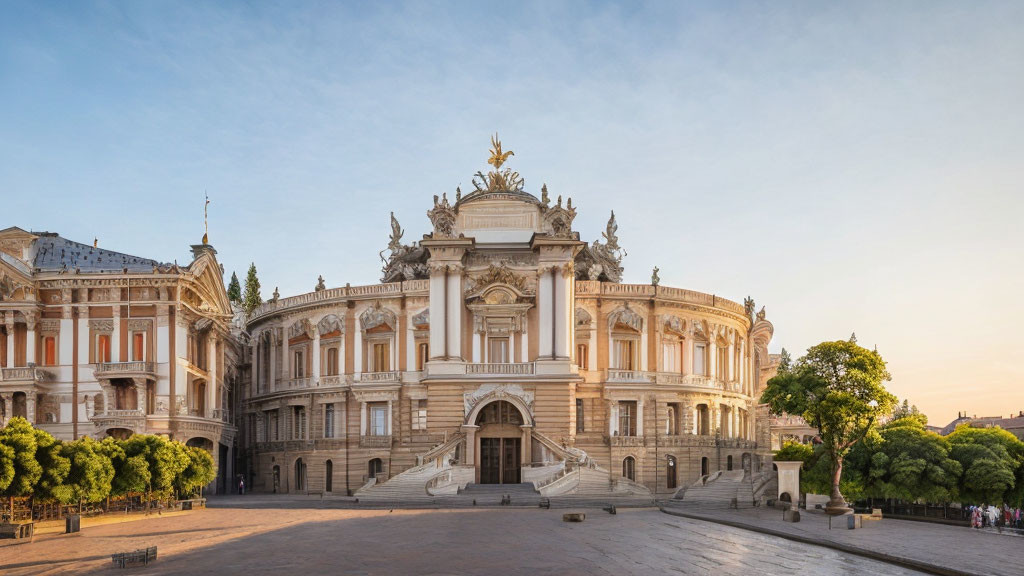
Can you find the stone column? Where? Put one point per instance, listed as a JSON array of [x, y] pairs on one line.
[[253, 372], [477, 337], [438, 306], [272, 374], [454, 305], [613, 417], [525, 357], [30, 408], [640, 416], [470, 430], [729, 376], [9, 323], [545, 311], [713, 361], [286, 361], [743, 363], [316, 356], [211, 388], [30, 340], [115, 337], [562, 312], [387, 427], [362, 418]]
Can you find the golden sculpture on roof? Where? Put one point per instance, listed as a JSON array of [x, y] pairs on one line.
[[497, 156]]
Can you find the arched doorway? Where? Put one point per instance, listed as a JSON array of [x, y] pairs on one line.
[[300, 475], [670, 470], [629, 468], [500, 436], [375, 468], [329, 477], [705, 467]]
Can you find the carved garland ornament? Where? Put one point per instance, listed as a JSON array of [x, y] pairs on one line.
[[329, 324], [626, 317], [376, 316]]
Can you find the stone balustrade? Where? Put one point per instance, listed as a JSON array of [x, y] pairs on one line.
[[381, 377], [511, 368]]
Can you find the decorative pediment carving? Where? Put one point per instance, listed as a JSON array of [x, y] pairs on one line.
[[488, 392], [375, 316], [301, 327], [422, 319], [139, 325], [49, 326], [627, 317], [675, 324], [583, 318], [500, 274], [329, 324], [101, 325]]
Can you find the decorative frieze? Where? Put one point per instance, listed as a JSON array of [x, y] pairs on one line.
[[101, 325]]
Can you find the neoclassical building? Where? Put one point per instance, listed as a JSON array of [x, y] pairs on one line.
[[96, 343], [501, 348]]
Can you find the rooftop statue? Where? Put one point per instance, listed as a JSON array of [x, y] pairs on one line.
[[498, 180]]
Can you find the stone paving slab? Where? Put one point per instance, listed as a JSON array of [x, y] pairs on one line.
[[357, 542], [936, 548]]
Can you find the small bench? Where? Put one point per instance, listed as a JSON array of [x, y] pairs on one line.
[[192, 503], [17, 530], [145, 556]]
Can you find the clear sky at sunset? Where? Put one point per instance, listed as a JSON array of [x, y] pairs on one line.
[[851, 166]]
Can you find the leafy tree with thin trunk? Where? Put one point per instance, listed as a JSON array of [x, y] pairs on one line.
[[251, 299], [234, 290], [92, 472], [837, 388], [6, 466], [20, 438], [55, 468], [199, 472]]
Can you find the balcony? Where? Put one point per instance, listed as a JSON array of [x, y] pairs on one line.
[[375, 441], [617, 375], [380, 377], [108, 370], [627, 441], [692, 380], [502, 369], [328, 381], [24, 375], [134, 420], [296, 384]]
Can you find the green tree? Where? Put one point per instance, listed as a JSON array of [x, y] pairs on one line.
[[20, 438], [251, 299], [793, 451], [906, 461], [837, 388], [199, 472], [234, 290], [993, 464], [55, 468], [164, 459], [6, 466], [92, 473], [906, 410]]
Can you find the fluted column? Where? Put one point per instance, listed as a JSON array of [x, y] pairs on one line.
[[9, 323], [454, 312], [438, 314], [211, 387], [30, 340], [286, 361], [545, 312], [316, 356], [272, 374]]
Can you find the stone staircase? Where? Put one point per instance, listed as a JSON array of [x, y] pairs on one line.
[[719, 489]]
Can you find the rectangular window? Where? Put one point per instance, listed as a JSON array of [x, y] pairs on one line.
[[673, 422], [103, 348], [275, 425], [378, 419], [49, 351], [625, 354], [298, 364], [419, 415], [298, 422], [497, 352], [422, 354], [580, 425], [138, 346], [329, 421], [627, 418], [332, 362], [699, 357], [583, 356], [381, 357]]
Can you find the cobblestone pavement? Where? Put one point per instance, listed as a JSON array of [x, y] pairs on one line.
[[483, 541], [961, 549]]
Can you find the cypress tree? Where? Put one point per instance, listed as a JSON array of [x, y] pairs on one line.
[[251, 299], [234, 290]]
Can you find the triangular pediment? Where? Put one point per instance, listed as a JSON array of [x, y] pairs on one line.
[[209, 283]]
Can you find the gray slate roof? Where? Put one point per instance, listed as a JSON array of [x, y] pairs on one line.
[[55, 253]]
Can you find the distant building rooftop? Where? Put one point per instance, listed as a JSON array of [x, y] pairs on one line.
[[55, 253]]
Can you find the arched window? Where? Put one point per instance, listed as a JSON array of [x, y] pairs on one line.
[[629, 468], [329, 421], [300, 475], [329, 477], [670, 470]]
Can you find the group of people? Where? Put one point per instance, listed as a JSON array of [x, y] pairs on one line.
[[989, 515]]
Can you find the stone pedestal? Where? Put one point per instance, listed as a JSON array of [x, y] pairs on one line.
[[789, 481]]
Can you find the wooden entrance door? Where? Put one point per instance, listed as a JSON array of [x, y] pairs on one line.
[[499, 460]]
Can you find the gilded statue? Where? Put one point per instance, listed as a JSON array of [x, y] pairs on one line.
[[497, 156]]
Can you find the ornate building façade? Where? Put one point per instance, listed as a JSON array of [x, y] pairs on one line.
[[96, 343], [501, 348]]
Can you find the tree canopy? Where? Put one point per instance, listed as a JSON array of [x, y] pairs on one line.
[[837, 388], [234, 290], [251, 298], [993, 464]]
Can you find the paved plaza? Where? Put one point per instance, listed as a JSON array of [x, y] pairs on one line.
[[481, 541]]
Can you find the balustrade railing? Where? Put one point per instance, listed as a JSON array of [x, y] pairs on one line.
[[618, 375], [511, 368], [381, 377], [125, 368]]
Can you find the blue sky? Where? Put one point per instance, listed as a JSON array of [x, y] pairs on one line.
[[852, 166]]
